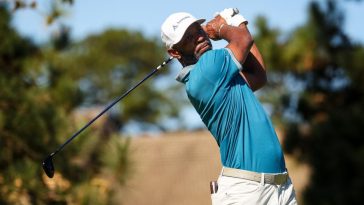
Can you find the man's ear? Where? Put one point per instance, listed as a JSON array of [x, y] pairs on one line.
[[174, 53]]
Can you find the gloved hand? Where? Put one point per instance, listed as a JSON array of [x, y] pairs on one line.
[[232, 16], [227, 13]]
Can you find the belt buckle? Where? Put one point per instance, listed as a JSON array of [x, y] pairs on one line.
[[280, 179]]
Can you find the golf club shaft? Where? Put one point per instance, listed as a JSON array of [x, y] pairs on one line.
[[111, 105]]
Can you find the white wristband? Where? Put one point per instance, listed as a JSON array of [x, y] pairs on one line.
[[222, 25]]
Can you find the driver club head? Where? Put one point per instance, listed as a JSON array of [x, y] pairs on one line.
[[48, 166]]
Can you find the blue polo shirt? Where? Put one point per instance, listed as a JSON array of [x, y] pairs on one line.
[[232, 113]]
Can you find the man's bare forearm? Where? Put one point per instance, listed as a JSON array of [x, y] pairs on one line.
[[239, 40], [254, 70]]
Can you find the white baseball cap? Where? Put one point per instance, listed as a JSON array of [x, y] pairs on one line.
[[175, 26]]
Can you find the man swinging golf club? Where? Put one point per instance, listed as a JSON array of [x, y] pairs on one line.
[[220, 85]]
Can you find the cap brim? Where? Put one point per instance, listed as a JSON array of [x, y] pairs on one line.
[[201, 21]]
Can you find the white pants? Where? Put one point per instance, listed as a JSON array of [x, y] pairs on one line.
[[236, 191]]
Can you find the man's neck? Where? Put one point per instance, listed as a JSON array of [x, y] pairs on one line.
[[188, 60]]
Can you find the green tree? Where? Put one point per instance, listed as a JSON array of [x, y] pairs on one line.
[[43, 88], [106, 65], [328, 105], [28, 118], [57, 8]]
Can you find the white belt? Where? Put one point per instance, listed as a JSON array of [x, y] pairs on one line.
[[276, 179]]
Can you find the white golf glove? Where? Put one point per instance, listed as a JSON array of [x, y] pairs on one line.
[[232, 16]]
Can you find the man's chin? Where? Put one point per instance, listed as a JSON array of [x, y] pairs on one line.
[[204, 50]]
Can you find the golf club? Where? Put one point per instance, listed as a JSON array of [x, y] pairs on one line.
[[47, 164]]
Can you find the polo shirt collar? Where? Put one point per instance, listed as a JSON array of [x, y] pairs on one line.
[[183, 73]]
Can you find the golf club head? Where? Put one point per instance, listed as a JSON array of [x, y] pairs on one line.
[[48, 166]]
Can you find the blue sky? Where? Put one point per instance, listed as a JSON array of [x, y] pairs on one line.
[[90, 16]]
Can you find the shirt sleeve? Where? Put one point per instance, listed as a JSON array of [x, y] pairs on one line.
[[237, 63], [219, 65]]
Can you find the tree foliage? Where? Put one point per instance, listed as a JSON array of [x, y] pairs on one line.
[[328, 105], [28, 118], [47, 92], [106, 65], [57, 8]]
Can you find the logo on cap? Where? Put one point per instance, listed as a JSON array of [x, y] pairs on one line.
[[178, 22]]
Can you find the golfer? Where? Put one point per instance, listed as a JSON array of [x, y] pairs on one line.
[[220, 85]]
